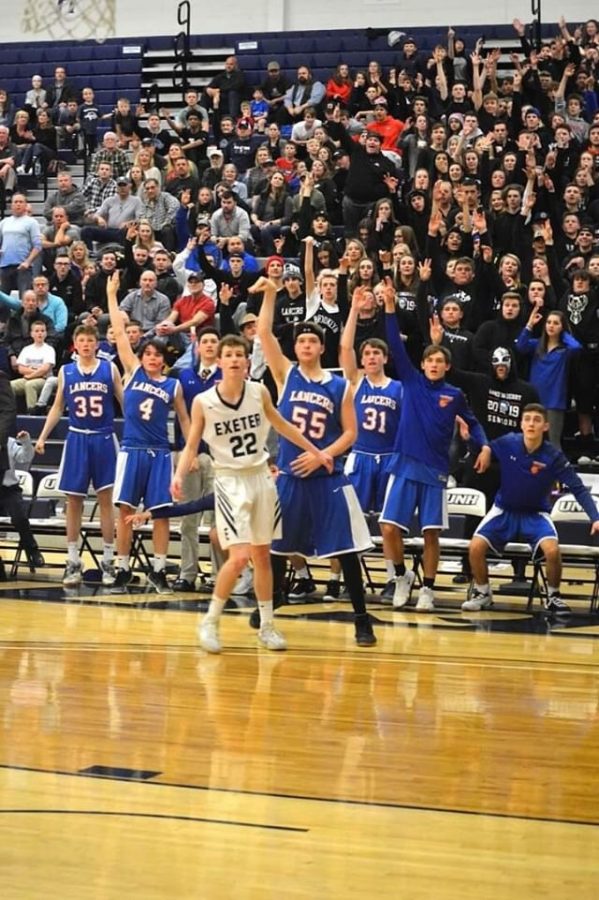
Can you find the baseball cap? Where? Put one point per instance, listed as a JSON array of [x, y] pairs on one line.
[[380, 101], [244, 122], [291, 271], [374, 134], [273, 66], [248, 319], [122, 180], [320, 214], [147, 142], [533, 111], [195, 276], [214, 151]]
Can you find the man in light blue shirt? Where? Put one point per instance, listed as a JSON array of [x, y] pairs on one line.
[[20, 244]]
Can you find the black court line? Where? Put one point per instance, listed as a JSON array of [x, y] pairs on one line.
[[134, 815], [342, 801]]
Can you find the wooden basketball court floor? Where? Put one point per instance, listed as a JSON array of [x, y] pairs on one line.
[[459, 758]]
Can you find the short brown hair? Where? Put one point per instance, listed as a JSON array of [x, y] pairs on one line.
[[536, 408], [233, 340], [91, 330], [437, 348]]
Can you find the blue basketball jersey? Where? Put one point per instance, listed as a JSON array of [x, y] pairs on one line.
[[377, 409], [147, 406], [315, 408], [89, 397]]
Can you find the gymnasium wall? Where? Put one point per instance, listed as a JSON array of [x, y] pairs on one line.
[[47, 19]]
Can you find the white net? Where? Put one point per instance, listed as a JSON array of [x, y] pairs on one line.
[[70, 19]]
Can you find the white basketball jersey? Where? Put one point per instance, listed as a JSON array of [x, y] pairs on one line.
[[236, 434]]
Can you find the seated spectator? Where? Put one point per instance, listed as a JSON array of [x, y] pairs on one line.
[[236, 247], [339, 86], [232, 183], [160, 138], [181, 120], [65, 284], [79, 258], [194, 309], [272, 210], [160, 209], [274, 87], [195, 140], [61, 91], [20, 457], [183, 178], [143, 235], [111, 154], [114, 216], [98, 188], [35, 365], [59, 235], [303, 130], [35, 98], [39, 157], [146, 304], [225, 89], [69, 197], [68, 126], [18, 326], [144, 158], [8, 165], [94, 290], [303, 93], [229, 220], [166, 281], [213, 174]]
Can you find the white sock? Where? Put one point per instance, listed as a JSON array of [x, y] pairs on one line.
[[122, 562], [73, 553], [390, 569], [483, 588], [159, 562], [266, 611], [553, 591], [108, 554], [215, 609], [335, 576], [302, 573]]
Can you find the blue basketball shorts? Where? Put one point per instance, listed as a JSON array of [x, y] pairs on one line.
[[85, 458], [404, 497], [500, 526], [369, 474], [143, 475], [320, 517]]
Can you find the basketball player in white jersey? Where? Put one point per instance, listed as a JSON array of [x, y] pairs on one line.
[[233, 419]]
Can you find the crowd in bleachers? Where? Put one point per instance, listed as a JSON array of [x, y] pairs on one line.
[[474, 190]]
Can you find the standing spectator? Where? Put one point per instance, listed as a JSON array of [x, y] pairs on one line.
[[20, 244]]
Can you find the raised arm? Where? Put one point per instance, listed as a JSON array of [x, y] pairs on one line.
[[276, 360], [404, 368], [309, 266], [126, 355], [347, 353]]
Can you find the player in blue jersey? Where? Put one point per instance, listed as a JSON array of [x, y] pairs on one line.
[[233, 418], [200, 376], [377, 399], [429, 411], [320, 511], [88, 387], [144, 465], [529, 467]]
